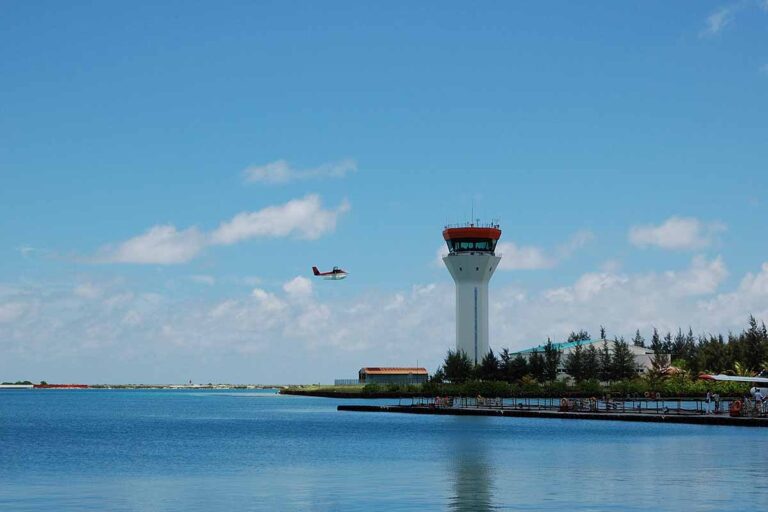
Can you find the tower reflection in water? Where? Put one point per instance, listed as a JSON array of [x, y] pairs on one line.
[[472, 486]]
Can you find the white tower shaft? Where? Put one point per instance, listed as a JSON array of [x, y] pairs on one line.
[[471, 271]]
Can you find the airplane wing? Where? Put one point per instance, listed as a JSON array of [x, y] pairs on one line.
[[733, 378]]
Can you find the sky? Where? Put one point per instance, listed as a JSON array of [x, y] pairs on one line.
[[170, 172]]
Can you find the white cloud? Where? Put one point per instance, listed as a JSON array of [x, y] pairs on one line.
[[159, 244], [751, 297], [677, 233], [703, 277], [624, 302], [27, 251], [88, 291], [530, 257], [724, 16], [299, 287], [756, 284], [516, 257], [270, 336], [165, 245], [717, 21], [586, 287], [203, 279], [280, 171], [576, 241], [304, 218], [11, 311], [268, 301]]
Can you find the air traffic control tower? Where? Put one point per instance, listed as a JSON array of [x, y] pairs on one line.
[[472, 261]]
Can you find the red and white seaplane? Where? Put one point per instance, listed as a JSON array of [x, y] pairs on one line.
[[759, 382], [334, 275]]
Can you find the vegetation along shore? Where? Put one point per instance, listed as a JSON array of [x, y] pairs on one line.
[[677, 361]]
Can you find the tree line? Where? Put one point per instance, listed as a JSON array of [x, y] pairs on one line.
[[743, 353]]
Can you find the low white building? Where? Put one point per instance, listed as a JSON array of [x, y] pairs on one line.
[[643, 355]]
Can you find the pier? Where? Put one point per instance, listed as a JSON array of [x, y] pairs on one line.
[[692, 412]]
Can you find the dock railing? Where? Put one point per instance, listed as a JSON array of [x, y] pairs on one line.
[[627, 405]]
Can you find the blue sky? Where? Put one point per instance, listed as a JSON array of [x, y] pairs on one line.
[[170, 174]]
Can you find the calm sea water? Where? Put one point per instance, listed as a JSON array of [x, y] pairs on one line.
[[230, 451]]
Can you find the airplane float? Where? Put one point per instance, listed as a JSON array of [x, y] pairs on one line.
[[759, 382], [336, 274]]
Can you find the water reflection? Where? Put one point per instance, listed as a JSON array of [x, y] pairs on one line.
[[472, 486]]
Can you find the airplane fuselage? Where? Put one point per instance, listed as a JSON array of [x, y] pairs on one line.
[[335, 277], [336, 274]]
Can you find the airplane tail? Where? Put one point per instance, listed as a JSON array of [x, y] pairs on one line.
[[315, 271]]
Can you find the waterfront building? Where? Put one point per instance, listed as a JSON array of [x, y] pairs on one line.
[[642, 355], [472, 260], [392, 375]]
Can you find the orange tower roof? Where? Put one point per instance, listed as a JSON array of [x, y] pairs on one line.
[[493, 233]]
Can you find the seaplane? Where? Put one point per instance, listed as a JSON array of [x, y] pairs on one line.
[[336, 274], [759, 382]]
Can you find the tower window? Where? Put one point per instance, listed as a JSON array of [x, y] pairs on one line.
[[471, 245]]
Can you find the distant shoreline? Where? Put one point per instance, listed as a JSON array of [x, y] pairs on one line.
[[186, 386], [142, 386]]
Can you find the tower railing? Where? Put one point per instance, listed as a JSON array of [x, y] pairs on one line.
[[494, 225]]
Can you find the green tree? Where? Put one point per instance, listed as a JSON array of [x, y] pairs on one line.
[[638, 340], [518, 368], [591, 363], [606, 370], [574, 362], [457, 367], [512, 368], [623, 361], [489, 367], [505, 360], [692, 352], [582, 335], [660, 359], [678, 345], [602, 332], [536, 365], [713, 355], [438, 377], [551, 360], [754, 345], [668, 342]]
